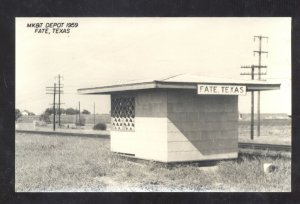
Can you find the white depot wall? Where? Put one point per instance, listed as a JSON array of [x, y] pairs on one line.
[[201, 127], [179, 125], [149, 140], [151, 143], [122, 142]]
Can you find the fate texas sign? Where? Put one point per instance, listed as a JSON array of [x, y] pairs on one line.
[[212, 89]]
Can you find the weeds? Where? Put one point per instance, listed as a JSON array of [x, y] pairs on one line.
[[53, 163], [247, 173]]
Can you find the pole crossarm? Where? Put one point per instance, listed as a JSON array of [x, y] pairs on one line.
[[57, 92], [49, 87], [248, 73], [254, 66], [260, 51], [260, 36], [59, 76]]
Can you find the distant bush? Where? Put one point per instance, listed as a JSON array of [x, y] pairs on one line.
[[18, 114], [80, 122], [71, 111], [86, 112], [39, 123], [100, 126], [45, 117]]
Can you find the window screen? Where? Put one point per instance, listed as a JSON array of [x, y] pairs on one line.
[[123, 113]]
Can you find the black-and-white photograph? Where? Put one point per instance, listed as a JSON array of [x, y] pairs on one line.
[[153, 104]]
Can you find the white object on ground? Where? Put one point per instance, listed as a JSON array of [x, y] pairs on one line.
[[209, 168], [269, 167]]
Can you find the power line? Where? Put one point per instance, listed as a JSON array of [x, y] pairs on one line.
[[279, 78]]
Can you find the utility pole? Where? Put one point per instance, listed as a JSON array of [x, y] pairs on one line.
[[252, 73], [59, 92], [79, 111], [54, 112], [76, 115], [52, 90], [252, 99], [94, 116], [259, 51], [252, 106]]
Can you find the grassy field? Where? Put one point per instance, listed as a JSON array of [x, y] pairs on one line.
[[272, 133], [57, 163]]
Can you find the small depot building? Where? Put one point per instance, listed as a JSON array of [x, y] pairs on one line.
[[179, 118]]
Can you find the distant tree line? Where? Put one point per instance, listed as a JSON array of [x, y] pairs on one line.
[[45, 116], [49, 111], [18, 113], [68, 111]]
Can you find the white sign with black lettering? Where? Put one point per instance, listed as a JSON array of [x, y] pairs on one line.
[[211, 89]]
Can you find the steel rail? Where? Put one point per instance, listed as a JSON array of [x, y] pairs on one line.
[[274, 147]]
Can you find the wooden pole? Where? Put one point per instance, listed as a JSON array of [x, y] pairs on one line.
[[76, 115], [252, 106], [94, 116], [79, 112], [252, 115], [260, 52], [54, 107], [258, 93], [58, 100]]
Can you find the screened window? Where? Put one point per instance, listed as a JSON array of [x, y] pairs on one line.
[[123, 112]]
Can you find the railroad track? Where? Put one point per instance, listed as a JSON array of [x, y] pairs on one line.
[[272, 147], [241, 145]]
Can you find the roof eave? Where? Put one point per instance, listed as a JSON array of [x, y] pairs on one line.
[[117, 88], [263, 87], [169, 85], [193, 85]]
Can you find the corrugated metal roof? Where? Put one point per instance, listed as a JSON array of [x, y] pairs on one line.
[[186, 80]]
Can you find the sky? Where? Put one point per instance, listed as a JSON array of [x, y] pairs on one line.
[[102, 51]]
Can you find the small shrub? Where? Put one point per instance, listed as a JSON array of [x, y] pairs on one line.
[[18, 114], [80, 122], [45, 117], [40, 123], [100, 126]]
